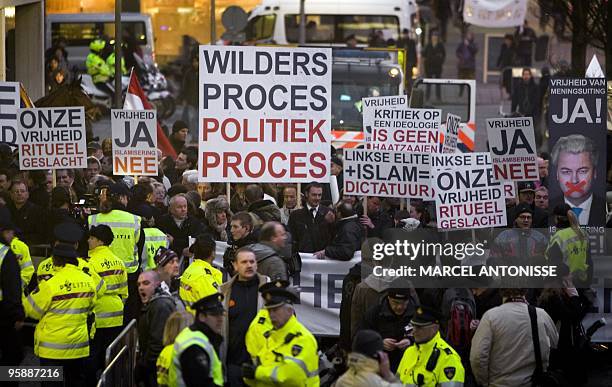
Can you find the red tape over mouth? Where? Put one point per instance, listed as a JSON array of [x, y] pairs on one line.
[[571, 187]]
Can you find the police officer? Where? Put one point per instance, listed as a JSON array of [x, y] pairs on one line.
[[63, 304], [109, 309], [110, 62], [11, 310], [289, 356], [430, 362], [127, 232], [97, 67], [154, 238], [21, 250], [200, 279], [195, 359]]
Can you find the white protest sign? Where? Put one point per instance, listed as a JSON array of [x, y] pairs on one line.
[[452, 133], [134, 142], [52, 138], [371, 103], [265, 114], [513, 148], [9, 103], [388, 174], [406, 130], [466, 192]]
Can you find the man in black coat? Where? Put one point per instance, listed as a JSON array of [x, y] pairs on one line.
[[377, 219], [266, 210], [390, 318], [241, 228], [158, 305], [180, 225], [28, 217], [525, 96], [311, 226], [348, 236]]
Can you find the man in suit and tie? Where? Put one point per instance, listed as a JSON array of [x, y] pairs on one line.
[[575, 160], [312, 225]]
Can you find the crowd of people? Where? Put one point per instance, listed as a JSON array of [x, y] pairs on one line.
[[146, 250]]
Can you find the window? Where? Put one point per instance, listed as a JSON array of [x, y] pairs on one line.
[[260, 27], [81, 33], [337, 28]]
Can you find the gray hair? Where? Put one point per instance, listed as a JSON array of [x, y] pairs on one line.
[[176, 197], [575, 143]]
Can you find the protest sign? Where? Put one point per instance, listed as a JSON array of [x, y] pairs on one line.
[[513, 148], [265, 114], [466, 192], [134, 142], [371, 103], [577, 128], [386, 173], [451, 134], [406, 130], [9, 103], [495, 13], [52, 138]]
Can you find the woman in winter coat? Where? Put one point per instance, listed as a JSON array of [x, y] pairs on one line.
[[218, 217]]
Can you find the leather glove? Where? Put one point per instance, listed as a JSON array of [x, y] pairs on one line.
[[248, 370]]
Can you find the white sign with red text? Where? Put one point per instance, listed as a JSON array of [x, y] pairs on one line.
[[513, 148], [134, 142], [466, 192], [406, 130], [52, 138], [265, 114], [369, 104], [9, 103]]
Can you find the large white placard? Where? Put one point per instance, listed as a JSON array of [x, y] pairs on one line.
[[9, 103], [466, 192], [387, 174], [134, 142], [371, 103], [451, 134], [52, 138], [513, 148], [265, 114]]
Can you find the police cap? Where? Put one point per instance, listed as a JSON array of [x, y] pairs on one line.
[[212, 304], [278, 293], [67, 233], [426, 315]]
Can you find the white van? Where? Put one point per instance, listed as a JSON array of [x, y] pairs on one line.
[[81, 28], [329, 22]]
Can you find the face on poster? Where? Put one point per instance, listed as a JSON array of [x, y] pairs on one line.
[[265, 114], [577, 128]]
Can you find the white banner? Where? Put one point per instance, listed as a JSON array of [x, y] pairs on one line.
[[387, 174], [467, 194], [52, 138], [495, 13], [9, 103], [406, 130], [134, 142], [320, 287], [371, 103], [451, 134], [265, 114], [513, 148]]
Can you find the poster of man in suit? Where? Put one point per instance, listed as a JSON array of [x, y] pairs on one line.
[[577, 127]]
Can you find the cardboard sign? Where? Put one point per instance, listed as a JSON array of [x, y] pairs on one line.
[[134, 142], [388, 174], [466, 192], [406, 130], [371, 103], [265, 114], [9, 103], [52, 138], [452, 133], [513, 148]]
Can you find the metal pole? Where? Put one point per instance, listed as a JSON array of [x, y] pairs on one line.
[[213, 23], [302, 23], [118, 39]]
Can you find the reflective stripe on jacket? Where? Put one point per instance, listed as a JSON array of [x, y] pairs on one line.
[[109, 309], [184, 340], [126, 229]]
